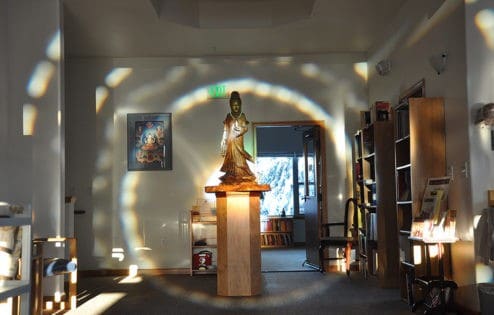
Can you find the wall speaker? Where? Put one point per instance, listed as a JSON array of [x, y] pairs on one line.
[[383, 67]]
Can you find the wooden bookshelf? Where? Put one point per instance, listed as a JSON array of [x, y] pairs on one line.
[[276, 232], [420, 154], [375, 194]]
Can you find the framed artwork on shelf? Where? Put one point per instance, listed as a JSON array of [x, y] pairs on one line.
[[149, 142]]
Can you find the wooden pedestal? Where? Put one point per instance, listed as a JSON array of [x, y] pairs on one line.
[[239, 248]]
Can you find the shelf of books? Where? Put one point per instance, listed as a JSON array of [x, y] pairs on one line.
[[276, 232], [375, 190], [419, 155]]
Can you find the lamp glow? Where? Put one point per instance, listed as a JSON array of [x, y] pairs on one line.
[[57, 296], [433, 251], [417, 255]]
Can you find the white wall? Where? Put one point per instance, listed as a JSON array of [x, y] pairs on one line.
[[480, 78], [35, 163], [119, 203], [3, 98]]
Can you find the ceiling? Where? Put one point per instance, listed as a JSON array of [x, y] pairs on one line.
[[151, 28]]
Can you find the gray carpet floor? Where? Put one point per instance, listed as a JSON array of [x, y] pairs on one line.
[[283, 293], [285, 259], [288, 288]]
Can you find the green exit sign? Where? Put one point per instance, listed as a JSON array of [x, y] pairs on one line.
[[217, 91]]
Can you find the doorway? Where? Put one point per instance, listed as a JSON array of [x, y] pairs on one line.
[[280, 162]]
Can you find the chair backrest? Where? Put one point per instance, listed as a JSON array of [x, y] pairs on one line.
[[351, 215]]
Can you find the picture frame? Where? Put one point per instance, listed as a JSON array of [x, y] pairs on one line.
[[149, 142]]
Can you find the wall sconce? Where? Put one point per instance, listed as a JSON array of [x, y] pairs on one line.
[[383, 67], [438, 62], [485, 116]]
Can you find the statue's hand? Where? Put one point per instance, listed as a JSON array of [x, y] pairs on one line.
[[237, 131]]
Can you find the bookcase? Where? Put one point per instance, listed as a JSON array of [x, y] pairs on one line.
[[203, 237], [420, 154], [276, 232], [375, 193]]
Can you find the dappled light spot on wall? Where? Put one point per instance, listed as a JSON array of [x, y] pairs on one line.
[[188, 101], [102, 94], [100, 183], [53, 48], [284, 61], [429, 22], [130, 222], [263, 89], [40, 79], [214, 175], [141, 94], [253, 62], [483, 273], [104, 161], [361, 69], [484, 20], [470, 1], [117, 76], [310, 70], [129, 193], [29, 115], [199, 66], [99, 219]]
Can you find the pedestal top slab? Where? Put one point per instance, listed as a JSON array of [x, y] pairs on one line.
[[247, 186]]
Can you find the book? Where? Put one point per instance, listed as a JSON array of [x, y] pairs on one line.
[[435, 193], [380, 110]]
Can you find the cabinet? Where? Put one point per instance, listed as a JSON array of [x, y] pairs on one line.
[[420, 154], [19, 290], [276, 232], [375, 194], [203, 237]]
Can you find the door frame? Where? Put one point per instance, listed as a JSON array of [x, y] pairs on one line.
[[323, 213]]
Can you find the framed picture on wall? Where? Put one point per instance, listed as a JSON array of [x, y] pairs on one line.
[[149, 142]]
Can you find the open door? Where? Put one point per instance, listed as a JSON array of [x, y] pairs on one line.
[[312, 194]]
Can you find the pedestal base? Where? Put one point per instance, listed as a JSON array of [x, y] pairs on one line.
[[239, 248]]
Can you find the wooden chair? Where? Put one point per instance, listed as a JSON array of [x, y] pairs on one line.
[[347, 239]]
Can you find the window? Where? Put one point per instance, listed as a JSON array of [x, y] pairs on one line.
[[286, 191]]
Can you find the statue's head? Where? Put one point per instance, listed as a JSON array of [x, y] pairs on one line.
[[235, 102]]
